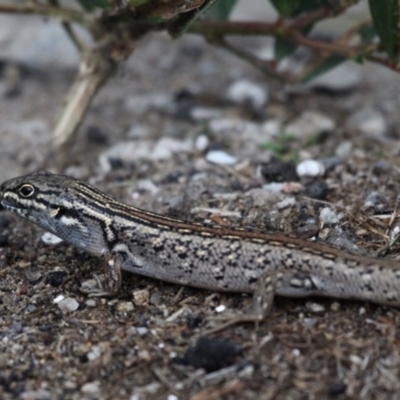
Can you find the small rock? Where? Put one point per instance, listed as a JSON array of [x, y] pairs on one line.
[[201, 143], [286, 203], [341, 79], [368, 121], [50, 239], [310, 124], [95, 135], [147, 185], [220, 157], [39, 394], [155, 298], [279, 171], [246, 92], [221, 308], [33, 275], [329, 217], [91, 303], [309, 322], [310, 168], [141, 297], [91, 388], [375, 201], [292, 187], [68, 304], [335, 389], [125, 307], [210, 354], [55, 278], [316, 190], [344, 149], [315, 307]]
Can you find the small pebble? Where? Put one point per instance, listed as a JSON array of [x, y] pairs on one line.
[[310, 168], [68, 304], [375, 201], [125, 307], [221, 308], [279, 171], [141, 297], [335, 389], [91, 303], [309, 322], [344, 149], [33, 275], [296, 352], [155, 298], [50, 239], [91, 388], [329, 217], [95, 135], [59, 298], [220, 157], [55, 278], [286, 203], [335, 306], [201, 143], [247, 92], [369, 122], [315, 307], [316, 190]]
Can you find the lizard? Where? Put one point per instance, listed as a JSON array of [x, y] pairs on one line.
[[265, 263]]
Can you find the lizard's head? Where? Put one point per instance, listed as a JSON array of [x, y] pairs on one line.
[[58, 204], [37, 197]]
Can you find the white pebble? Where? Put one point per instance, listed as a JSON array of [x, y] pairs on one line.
[[244, 91], [329, 217], [221, 308], [68, 304], [50, 239], [220, 157], [310, 168], [201, 142], [59, 298], [91, 388]]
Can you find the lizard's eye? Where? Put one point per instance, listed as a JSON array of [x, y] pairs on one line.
[[26, 190]]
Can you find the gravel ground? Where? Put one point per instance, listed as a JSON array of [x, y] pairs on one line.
[[147, 140]]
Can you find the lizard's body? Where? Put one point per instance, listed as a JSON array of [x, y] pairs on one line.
[[173, 250]]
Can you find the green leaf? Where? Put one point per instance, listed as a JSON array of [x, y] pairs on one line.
[[285, 8], [367, 33], [221, 9], [89, 5], [385, 14], [283, 48], [292, 8], [325, 66]]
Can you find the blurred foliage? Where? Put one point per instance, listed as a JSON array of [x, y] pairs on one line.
[[116, 27]]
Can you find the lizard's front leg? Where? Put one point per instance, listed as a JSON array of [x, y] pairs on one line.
[[112, 264]]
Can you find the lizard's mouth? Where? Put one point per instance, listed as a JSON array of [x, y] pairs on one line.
[[7, 204]]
